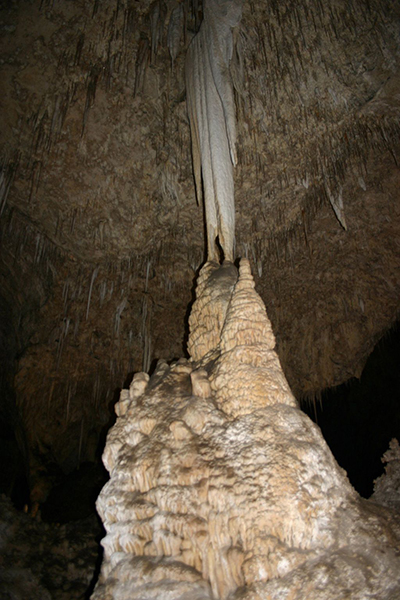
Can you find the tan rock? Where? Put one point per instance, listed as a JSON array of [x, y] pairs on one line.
[[138, 385], [247, 372], [200, 384], [230, 491], [214, 290]]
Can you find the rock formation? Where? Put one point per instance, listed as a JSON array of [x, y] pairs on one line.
[[46, 561], [211, 109], [220, 487], [98, 218], [387, 486]]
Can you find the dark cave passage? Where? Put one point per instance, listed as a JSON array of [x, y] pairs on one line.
[[13, 448], [360, 417]]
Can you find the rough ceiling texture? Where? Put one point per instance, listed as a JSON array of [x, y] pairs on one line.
[[101, 236]]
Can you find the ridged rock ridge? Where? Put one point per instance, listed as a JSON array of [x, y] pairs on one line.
[[247, 373], [215, 286], [221, 488]]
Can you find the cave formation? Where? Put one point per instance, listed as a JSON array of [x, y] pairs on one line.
[[220, 486], [100, 235]]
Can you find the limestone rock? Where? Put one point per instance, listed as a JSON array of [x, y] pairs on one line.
[[138, 385], [201, 386], [209, 500], [100, 232], [214, 290], [387, 486], [247, 372]]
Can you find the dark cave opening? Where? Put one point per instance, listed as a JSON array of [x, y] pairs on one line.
[[13, 448], [74, 495], [360, 417]]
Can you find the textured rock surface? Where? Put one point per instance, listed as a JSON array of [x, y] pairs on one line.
[[42, 561], [211, 111], [99, 228], [222, 488], [387, 486]]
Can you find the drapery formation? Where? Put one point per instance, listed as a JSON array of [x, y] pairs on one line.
[[212, 120]]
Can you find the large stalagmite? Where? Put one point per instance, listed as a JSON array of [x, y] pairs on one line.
[[221, 487]]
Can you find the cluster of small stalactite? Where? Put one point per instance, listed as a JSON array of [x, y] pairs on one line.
[[109, 49], [300, 84], [304, 110], [81, 329], [113, 42]]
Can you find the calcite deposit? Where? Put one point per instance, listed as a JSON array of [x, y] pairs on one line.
[[387, 486], [220, 487]]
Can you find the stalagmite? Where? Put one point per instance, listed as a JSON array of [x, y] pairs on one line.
[[220, 487]]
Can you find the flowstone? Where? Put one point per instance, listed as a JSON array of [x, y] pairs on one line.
[[220, 487]]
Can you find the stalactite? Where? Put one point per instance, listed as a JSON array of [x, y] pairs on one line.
[[157, 18], [102, 291], [79, 47], [65, 294], [142, 62], [211, 109], [38, 248], [73, 219], [90, 94], [175, 31], [76, 328], [7, 175], [118, 313], [337, 204], [94, 275], [146, 335]]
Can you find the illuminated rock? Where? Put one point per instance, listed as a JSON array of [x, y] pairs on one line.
[[220, 487]]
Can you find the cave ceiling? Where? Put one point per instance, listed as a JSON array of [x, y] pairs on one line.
[[101, 235]]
